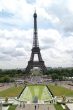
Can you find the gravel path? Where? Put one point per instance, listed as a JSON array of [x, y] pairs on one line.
[[66, 84], [5, 86]]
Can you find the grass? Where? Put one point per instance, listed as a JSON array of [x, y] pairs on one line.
[[58, 107], [60, 91], [40, 91], [11, 92], [12, 107]]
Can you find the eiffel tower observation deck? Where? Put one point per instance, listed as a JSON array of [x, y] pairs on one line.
[[35, 51]]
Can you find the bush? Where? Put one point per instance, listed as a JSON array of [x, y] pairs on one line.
[[5, 79]]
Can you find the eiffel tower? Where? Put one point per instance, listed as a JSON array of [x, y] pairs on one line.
[[35, 50]]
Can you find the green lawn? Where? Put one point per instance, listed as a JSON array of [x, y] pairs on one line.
[[39, 91], [12, 107], [58, 107], [11, 92], [60, 91]]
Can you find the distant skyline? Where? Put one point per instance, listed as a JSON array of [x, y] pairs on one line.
[[55, 32]]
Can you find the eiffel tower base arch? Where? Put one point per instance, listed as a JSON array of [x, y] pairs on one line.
[[39, 64]]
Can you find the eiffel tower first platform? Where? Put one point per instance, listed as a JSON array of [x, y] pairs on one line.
[[35, 50]]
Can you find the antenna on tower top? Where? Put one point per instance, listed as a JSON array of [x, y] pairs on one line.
[[35, 10]]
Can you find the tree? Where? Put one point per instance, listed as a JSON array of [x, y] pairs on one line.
[[60, 78], [54, 77], [5, 79]]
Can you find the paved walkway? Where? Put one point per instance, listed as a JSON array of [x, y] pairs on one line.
[[38, 107], [65, 84], [5, 86]]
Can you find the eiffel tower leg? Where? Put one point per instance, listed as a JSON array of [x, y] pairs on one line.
[[28, 68], [39, 57], [32, 57], [43, 68]]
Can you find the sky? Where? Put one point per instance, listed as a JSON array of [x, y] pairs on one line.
[[55, 32]]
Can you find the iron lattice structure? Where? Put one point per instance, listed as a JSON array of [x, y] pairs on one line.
[[35, 50]]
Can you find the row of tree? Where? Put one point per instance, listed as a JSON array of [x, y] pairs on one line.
[[10, 75], [55, 73], [60, 73]]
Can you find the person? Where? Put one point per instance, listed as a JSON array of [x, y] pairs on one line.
[[35, 107], [20, 104], [23, 105], [0, 105]]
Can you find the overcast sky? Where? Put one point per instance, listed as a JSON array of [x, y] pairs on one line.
[[55, 32]]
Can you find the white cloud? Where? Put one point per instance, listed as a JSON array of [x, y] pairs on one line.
[[69, 5], [56, 40], [47, 15], [17, 44], [43, 3]]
